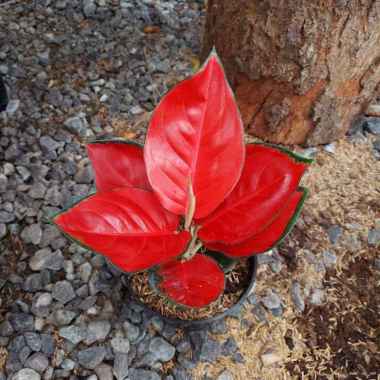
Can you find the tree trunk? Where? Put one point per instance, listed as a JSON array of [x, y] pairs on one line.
[[302, 70]]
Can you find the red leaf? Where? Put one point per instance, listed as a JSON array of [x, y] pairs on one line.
[[195, 138], [271, 235], [269, 178], [118, 164], [128, 225], [193, 283]]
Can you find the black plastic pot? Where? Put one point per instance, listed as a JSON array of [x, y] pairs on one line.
[[3, 95], [203, 323]]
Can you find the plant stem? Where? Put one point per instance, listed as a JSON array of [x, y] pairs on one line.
[[197, 248], [194, 246], [191, 206]]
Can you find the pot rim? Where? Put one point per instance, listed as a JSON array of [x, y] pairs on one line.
[[199, 323]]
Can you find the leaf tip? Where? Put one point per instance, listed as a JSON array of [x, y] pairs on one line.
[[214, 52], [214, 57]]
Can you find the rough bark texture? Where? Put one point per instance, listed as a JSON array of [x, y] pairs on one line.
[[302, 70]]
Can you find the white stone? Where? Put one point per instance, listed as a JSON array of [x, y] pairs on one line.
[[225, 375], [26, 374], [13, 106], [270, 357]]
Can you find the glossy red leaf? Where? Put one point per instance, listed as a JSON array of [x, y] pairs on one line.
[[195, 138], [128, 225], [194, 283], [270, 176], [271, 235], [118, 164]]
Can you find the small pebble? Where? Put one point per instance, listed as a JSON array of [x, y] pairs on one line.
[[329, 259], [372, 125], [330, 148], [63, 292], [225, 375], [373, 237], [12, 107], [270, 358], [297, 297], [271, 300], [334, 233], [317, 297]]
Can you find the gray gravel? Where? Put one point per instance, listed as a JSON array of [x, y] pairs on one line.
[[63, 291], [225, 375], [3, 230], [32, 234], [104, 372], [97, 331], [374, 237], [161, 349], [22, 322], [26, 374], [317, 297], [121, 366], [91, 357], [69, 82], [39, 362], [334, 233], [271, 300], [74, 334], [210, 350], [373, 125], [62, 317], [46, 259], [329, 259], [297, 296], [120, 345]]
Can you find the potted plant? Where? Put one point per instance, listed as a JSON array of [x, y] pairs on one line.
[[191, 203]]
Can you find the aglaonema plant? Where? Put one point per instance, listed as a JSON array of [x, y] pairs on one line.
[[193, 196]]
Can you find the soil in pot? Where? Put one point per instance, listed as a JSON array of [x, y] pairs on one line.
[[237, 281]]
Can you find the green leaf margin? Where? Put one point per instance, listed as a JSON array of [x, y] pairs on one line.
[[76, 200], [116, 140], [295, 156], [73, 203], [113, 140], [288, 228]]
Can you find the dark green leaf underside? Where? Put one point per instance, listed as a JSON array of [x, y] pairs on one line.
[[225, 262], [116, 140], [294, 218]]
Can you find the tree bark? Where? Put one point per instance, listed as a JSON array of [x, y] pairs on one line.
[[302, 70]]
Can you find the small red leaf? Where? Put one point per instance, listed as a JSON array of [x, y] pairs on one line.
[[193, 283], [196, 137], [271, 235], [269, 178], [128, 225], [118, 164]]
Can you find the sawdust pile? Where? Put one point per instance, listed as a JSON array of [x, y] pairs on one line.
[[337, 339]]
